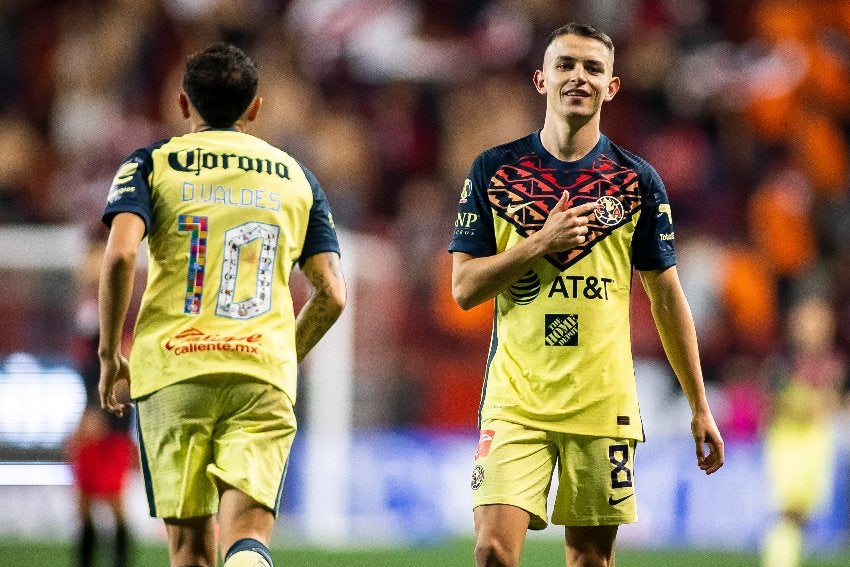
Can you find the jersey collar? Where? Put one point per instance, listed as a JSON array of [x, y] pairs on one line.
[[553, 161]]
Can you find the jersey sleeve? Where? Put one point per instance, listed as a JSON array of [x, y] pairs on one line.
[[321, 233], [653, 246], [130, 190], [473, 227]]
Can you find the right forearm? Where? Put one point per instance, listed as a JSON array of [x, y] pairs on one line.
[[478, 279], [115, 289]]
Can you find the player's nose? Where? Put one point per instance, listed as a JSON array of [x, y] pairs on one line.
[[577, 75]]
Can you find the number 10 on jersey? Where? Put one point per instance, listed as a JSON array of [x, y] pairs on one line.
[[234, 239], [197, 226]]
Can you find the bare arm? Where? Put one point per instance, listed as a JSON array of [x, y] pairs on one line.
[[325, 305], [475, 280], [675, 325], [117, 276]]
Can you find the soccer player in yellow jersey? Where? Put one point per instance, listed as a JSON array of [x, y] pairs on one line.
[[216, 343], [551, 226], [809, 381]]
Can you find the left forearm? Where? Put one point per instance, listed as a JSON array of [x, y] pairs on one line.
[[678, 336], [116, 286], [675, 325]]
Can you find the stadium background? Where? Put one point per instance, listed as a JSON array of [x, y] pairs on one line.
[[743, 108]]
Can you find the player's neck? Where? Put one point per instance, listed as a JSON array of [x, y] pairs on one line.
[[570, 141], [200, 126]]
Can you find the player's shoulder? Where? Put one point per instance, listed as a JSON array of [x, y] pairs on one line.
[[506, 153], [251, 141], [145, 152], [140, 160], [627, 157]]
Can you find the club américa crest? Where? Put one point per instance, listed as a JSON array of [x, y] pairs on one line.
[[477, 477], [609, 210]]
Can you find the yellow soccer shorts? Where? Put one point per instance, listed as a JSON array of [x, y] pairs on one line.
[[514, 465], [226, 427]]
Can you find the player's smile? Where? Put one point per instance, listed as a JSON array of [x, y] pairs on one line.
[[577, 93]]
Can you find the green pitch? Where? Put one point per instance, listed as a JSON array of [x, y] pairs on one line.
[[455, 553]]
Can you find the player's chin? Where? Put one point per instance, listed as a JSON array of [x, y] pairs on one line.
[[579, 109]]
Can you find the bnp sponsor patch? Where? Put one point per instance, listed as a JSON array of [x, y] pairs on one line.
[[562, 329]]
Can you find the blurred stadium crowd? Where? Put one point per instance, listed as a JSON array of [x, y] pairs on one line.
[[742, 107]]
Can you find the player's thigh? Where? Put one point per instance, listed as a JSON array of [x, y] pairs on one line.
[[252, 442], [596, 481], [514, 466]]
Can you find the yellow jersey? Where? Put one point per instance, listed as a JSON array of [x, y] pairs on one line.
[[560, 354], [227, 215]]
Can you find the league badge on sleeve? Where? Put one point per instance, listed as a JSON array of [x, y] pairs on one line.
[[120, 183], [466, 191]]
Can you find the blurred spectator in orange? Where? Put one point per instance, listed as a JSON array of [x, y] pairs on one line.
[[780, 224], [749, 298]]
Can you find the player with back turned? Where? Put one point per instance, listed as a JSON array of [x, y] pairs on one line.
[[217, 342], [552, 225]]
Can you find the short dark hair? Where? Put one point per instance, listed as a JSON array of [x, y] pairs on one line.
[[583, 30], [220, 81]]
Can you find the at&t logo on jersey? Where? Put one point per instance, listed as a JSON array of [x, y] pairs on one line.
[[588, 287], [526, 289]]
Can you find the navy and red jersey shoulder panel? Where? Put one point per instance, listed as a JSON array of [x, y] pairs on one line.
[[520, 182], [130, 190], [474, 233], [321, 234]]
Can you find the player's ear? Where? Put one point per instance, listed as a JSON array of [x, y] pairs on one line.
[[183, 102], [539, 81], [253, 109], [613, 88]]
